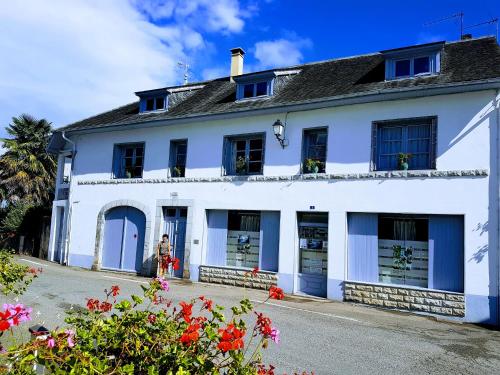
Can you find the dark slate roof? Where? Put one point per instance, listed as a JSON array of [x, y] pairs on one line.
[[461, 62]]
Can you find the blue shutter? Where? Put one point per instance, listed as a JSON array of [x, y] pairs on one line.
[[269, 240], [172, 157], [229, 159], [217, 237], [117, 161], [419, 146], [362, 247], [389, 145], [446, 253]]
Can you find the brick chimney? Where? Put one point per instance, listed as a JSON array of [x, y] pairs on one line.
[[236, 62]]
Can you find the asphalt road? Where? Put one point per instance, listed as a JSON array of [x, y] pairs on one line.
[[316, 335]]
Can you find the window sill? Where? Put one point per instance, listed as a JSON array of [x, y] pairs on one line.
[[379, 175], [424, 75], [254, 98]]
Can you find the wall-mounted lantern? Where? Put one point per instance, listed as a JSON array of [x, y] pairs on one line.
[[279, 132]]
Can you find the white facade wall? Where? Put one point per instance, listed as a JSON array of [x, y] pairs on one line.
[[466, 136]]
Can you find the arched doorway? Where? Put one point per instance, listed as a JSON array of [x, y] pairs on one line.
[[123, 245]]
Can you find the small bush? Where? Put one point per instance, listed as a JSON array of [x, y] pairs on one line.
[[14, 277], [150, 335]]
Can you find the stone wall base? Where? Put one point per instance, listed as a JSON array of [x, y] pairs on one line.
[[236, 277], [420, 300]]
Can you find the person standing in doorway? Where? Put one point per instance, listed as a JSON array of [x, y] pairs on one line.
[[163, 255]]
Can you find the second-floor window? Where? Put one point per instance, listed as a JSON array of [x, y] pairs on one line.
[[244, 155], [314, 150], [404, 144], [128, 160], [178, 153]]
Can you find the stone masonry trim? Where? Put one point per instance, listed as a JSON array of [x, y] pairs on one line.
[[300, 177], [237, 277], [394, 297]]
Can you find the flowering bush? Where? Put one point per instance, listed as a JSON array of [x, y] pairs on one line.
[[148, 334], [14, 277]]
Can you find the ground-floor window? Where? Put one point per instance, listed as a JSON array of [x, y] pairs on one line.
[[403, 251], [416, 250], [243, 239], [313, 243]]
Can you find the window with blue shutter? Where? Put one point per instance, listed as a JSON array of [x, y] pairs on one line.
[[128, 160], [243, 154], [415, 138], [178, 154]]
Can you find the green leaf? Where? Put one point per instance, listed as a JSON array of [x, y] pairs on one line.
[[138, 300]]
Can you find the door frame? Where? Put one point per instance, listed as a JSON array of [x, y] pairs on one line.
[[99, 244], [176, 218], [190, 271]]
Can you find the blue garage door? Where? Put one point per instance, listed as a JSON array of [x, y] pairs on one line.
[[123, 239]]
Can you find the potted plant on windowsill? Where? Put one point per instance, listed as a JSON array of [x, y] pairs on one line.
[[178, 172], [241, 165], [404, 158], [312, 166]]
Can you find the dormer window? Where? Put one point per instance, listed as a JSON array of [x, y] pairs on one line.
[[258, 85], [155, 103], [412, 62]]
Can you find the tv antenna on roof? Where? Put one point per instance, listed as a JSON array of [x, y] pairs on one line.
[[490, 22], [186, 70], [453, 16]]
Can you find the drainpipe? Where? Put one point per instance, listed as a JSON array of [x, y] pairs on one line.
[[70, 206]]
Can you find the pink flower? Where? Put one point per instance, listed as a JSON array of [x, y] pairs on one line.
[[71, 336], [163, 284], [51, 343], [18, 313], [275, 335]]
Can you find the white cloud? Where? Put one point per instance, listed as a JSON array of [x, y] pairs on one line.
[[224, 16], [280, 52], [65, 60]]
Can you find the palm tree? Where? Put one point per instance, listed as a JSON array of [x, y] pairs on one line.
[[27, 171]]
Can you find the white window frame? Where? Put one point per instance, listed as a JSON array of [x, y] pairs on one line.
[[434, 66]]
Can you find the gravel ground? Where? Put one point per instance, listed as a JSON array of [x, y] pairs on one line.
[[316, 335]]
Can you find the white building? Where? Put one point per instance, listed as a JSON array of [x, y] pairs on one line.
[[302, 172]]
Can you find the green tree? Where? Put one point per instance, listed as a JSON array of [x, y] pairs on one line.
[[27, 171]]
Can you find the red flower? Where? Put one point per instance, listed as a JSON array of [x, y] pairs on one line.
[[93, 304], [207, 303], [152, 318], [276, 293], [105, 306], [261, 370], [115, 290], [187, 311], [231, 338], [4, 320], [191, 334], [263, 325]]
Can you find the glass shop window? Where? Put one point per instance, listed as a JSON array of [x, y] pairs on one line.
[[313, 243], [403, 250], [243, 239]]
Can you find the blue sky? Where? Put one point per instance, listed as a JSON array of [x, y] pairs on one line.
[[66, 60]]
